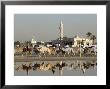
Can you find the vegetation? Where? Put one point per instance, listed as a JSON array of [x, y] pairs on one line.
[[91, 36], [88, 34], [17, 43]]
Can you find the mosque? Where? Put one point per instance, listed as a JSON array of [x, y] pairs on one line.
[[75, 41]]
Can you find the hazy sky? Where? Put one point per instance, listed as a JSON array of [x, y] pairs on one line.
[[45, 27]]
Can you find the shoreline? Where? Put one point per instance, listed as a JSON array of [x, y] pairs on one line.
[[30, 59]]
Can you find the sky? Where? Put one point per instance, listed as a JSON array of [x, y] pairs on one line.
[[45, 27]]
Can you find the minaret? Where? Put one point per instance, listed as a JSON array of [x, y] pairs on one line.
[[61, 30]]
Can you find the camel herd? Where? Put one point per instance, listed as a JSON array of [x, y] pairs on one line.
[[59, 65], [43, 50]]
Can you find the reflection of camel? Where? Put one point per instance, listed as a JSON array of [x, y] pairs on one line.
[[27, 68], [51, 67], [80, 65], [44, 67], [24, 67], [83, 65], [61, 65], [36, 66]]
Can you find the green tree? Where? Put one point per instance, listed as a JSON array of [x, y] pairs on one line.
[[93, 37], [17, 43], [65, 38], [89, 34]]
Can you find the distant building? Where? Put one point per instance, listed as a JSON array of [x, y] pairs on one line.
[[73, 42], [83, 41], [56, 42], [63, 42], [33, 42]]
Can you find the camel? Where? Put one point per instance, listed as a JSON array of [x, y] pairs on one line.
[[27, 68]]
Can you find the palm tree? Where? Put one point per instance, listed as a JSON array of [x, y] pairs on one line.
[[93, 37], [89, 34]]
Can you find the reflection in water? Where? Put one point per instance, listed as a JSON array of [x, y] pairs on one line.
[[61, 71], [55, 66]]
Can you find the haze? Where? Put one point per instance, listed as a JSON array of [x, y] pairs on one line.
[[45, 27]]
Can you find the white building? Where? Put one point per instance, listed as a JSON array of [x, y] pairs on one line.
[[85, 41], [33, 42]]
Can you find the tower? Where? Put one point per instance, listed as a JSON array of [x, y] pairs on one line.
[[61, 30]]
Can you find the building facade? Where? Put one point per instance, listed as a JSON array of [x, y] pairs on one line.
[[83, 41], [73, 42]]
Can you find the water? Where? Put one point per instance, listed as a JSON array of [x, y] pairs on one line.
[[65, 71]]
